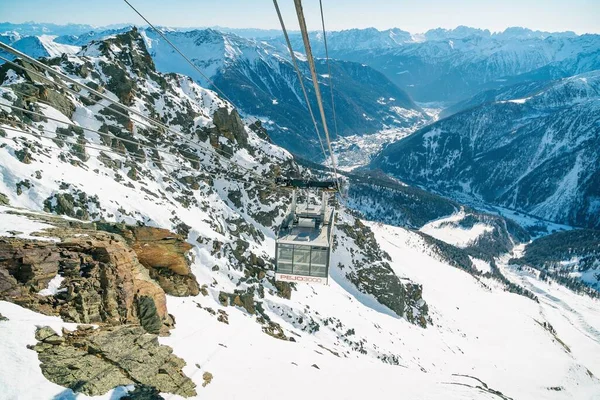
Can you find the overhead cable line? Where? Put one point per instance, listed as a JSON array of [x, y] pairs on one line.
[[195, 67], [104, 134], [313, 71], [328, 70], [62, 138], [162, 35], [144, 121], [87, 145], [300, 78], [110, 149]]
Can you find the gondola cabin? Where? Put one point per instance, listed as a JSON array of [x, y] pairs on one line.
[[304, 241]]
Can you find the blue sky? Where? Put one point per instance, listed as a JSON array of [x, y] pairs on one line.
[[581, 16]]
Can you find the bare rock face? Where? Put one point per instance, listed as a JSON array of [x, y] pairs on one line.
[[30, 264], [94, 361], [104, 281], [163, 253], [161, 248], [116, 282], [230, 125]]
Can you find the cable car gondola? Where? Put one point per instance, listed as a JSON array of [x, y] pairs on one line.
[[304, 240]]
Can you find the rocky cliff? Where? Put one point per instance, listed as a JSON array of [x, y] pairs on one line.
[[88, 276]]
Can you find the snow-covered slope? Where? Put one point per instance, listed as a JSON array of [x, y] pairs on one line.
[[484, 343], [450, 231], [395, 319], [537, 153]]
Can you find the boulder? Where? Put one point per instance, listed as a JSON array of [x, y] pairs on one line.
[[242, 299], [284, 289], [94, 361], [230, 125]]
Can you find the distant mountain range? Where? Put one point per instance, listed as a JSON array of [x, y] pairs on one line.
[[42, 28], [452, 65], [259, 78]]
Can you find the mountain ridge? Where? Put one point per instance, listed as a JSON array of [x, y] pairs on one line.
[[516, 153]]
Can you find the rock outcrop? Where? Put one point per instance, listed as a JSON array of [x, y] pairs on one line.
[[230, 125], [371, 273], [163, 253], [26, 265], [94, 361], [112, 273], [91, 276], [103, 280]]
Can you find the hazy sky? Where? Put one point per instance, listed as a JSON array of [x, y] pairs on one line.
[[581, 16]]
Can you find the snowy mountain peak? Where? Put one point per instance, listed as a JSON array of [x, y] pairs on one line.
[[460, 32], [37, 46]]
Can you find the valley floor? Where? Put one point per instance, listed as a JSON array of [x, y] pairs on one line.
[[357, 150]]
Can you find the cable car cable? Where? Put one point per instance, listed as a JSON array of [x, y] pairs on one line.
[[311, 64], [300, 78], [114, 151], [148, 124], [162, 35], [328, 70]]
